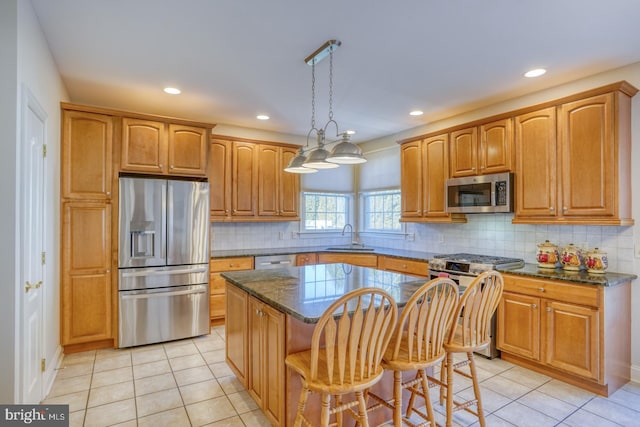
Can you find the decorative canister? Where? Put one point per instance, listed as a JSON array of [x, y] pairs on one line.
[[571, 258], [596, 261], [547, 255]]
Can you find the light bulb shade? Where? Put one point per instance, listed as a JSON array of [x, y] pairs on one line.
[[317, 159], [295, 165], [346, 153]]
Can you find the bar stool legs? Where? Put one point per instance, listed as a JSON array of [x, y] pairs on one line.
[[447, 371]]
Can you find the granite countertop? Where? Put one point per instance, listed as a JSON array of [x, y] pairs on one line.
[[582, 276], [306, 292], [398, 253]]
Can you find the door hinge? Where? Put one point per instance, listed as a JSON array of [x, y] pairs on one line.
[[43, 364], [43, 257], [44, 150]]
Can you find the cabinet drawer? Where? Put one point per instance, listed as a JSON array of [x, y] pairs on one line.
[[217, 306], [216, 284], [419, 268], [231, 264], [363, 260], [560, 291]]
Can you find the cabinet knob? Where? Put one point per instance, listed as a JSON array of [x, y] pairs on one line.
[[226, 211], [481, 167], [404, 266], [107, 271], [160, 165], [564, 208], [170, 166], [541, 289], [551, 208], [230, 265], [108, 193], [548, 309], [534, 306]]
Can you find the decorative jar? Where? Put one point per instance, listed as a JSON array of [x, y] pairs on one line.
[[571, 258], [596, 261], [547, 255]]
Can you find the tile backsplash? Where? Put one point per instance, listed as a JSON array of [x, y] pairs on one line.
[[492, 234]]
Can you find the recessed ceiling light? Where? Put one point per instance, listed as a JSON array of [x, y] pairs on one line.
[[416, 113], [262, 117], [172, 90], [535, 73], [351, 132]]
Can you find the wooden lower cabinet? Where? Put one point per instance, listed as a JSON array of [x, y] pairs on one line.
[[405, 266], [362, 260], [86, 273], [255, 345], [577, 333], [216, 282], [306, 259]]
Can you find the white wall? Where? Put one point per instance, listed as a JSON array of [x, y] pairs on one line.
[[8, 135], [26, 60]]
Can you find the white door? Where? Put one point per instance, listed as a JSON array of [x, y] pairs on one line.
[[32, 248]]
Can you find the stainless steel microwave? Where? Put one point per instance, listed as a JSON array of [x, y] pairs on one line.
[[480, 194]]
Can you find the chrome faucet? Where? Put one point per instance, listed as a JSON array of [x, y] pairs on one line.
[[353, 242]]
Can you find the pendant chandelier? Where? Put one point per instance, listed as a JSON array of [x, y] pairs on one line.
[[312, 159]]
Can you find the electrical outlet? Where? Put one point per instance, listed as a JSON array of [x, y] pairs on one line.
[[411, 237], [281, 235]]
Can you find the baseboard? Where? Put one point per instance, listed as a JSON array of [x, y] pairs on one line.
[[635, 373], [50, 374]]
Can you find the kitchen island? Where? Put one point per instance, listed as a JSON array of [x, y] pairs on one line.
[[272, 313]]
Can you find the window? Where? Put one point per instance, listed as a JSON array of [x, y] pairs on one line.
[[325, 211], [381, 211]]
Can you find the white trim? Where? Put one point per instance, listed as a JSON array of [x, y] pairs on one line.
[[635, 373]]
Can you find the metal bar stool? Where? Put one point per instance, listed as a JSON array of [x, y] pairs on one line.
[[418, 344], [471, 333], [346, 350]]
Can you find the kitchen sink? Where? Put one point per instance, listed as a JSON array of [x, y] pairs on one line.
[[351, 248]]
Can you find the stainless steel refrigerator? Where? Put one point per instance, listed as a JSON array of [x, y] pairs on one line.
[[163, 275]]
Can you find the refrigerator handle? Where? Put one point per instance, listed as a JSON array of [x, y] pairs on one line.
[[163, 219], [146, 272], [124, 296]]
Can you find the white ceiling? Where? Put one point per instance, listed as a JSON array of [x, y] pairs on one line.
[[234, 59]]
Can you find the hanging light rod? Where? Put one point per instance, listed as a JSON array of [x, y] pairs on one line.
[[322, 52]]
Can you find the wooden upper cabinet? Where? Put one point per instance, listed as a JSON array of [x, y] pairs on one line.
[[219, 172], [289, 188], [411, 180], [536, 171], [495, 152], [483, 149], [87, 149], [424, 169], [144, 146], [463, 152], [268, 180], [436, 172], [154, 147], [588, 157], [244, 175], [187, 150]]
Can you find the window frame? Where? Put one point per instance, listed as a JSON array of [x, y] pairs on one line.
[[363, 195], [348, 214]]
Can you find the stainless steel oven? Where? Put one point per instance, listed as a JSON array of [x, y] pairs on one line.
[[463, 268]]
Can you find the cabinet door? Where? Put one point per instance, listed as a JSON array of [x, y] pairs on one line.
[[519, 325], [463, 152], [244, 179], [306, 259], [219, 172], [86, 278], [144, 146], [495, 151], [588, 157], [411, 180], [268, 173], [255, 383], [536, 172], [289, 186], [236, 332], [87, 144], [187, 150], [436, 174], [272, 356], [572, 338]]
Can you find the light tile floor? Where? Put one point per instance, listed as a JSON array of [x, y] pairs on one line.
[[187, 383]]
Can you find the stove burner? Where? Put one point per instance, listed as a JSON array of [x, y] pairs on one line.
[[471, 264], [478, 259]]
